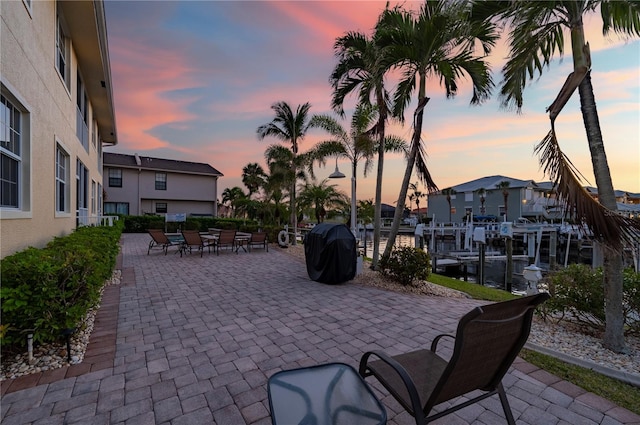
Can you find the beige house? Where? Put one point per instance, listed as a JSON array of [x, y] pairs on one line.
[[56, 113], [137, 185]]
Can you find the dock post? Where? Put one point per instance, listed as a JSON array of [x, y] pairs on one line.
[[481, 264], [509, 267], [553, 246]]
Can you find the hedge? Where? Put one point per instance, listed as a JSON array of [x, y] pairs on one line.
[[47, 290]]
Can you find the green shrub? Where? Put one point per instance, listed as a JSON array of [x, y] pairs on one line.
[[406, 265], [631, 295], [577, 292], [47, 290]]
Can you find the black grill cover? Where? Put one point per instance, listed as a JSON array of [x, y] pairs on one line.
[[330, 253]]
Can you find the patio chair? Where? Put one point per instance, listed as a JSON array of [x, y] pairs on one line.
[[160, 240], [258, 239], [225, 238], [192, 239], [487, 342]]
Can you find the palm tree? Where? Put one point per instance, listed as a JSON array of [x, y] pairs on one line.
[[448, 192], [288, 127], [417, 194], [253, 177], [232, 196], [437, 42], [357, 144], [536, 35], [361, 67], [482, 193], [321, 196], [504, 187]]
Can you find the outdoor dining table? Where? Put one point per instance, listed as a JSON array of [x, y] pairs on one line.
[[327, 394]]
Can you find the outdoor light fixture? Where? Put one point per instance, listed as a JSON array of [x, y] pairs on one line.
[[336, 174]]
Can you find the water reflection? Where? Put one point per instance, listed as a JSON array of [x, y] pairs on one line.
[[494, 269]]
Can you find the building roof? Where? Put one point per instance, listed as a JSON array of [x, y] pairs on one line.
[[490, 183], [159, 164]]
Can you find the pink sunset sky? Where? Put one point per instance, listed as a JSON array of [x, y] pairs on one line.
[[193, 81]]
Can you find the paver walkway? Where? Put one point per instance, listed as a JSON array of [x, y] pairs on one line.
[[197, 339]]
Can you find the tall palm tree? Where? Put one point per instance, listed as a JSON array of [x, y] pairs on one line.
[[290, 128], [321, 196], [357, 144], [437, 42], [536, 35], [253, 177], [504, 187], [361, 67], [448, 192], [417, 194]]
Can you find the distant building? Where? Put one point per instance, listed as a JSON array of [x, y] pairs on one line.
[[483, 199], [137, 185], [56, 113]]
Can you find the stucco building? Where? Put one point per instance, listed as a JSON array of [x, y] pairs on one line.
[[137, 185], [56, 114]]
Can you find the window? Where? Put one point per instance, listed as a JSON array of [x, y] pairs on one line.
[[161, 181], [93, 197], [82, 113], [501, 210], [62, 52], [453, 211], [94, 135], [99, 212], [82, 192], [62, 180], [116, 208], [468, 211], [10, 150], [161, 207], [115, 177], [468, 196]]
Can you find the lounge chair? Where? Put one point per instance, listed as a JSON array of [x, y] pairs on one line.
[[225, 238], [258, 239], [160, 240], [192, 239], [487, 342]]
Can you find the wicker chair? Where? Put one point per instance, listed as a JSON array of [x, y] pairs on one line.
[[487, 342]]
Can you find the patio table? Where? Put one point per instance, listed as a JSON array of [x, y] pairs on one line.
[[328, 394]]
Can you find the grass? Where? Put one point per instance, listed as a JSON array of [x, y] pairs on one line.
[[622, 394]]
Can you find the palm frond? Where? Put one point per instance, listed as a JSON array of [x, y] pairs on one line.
[[621, 16], [607, 226], [424, 175]]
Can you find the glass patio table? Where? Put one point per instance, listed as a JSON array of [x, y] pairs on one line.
[[328, 394]]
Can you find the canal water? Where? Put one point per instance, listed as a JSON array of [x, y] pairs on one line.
[[495, 270]]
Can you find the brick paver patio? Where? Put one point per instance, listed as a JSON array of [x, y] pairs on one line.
[[197, 339]]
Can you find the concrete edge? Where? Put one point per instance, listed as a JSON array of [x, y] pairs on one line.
[[626, 377]]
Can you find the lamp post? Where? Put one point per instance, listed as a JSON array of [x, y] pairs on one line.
[[338, 175]]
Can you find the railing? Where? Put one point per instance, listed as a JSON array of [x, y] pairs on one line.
[[97, 220]]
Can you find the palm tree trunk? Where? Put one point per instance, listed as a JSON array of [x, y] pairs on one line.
[[377, 215], [613, 338], [294, 215], [415, 144]]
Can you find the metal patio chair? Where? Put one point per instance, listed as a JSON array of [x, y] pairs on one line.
[[487, 342]]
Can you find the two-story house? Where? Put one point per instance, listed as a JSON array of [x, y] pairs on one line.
[[137, 185], [485, 198], [56, 112]]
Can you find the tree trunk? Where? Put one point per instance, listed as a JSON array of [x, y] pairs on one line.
[[294, 216], [613, 291], [415, 143], [377, 215]]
